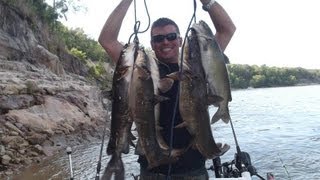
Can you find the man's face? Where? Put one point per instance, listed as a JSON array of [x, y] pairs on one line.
[[165, 42]]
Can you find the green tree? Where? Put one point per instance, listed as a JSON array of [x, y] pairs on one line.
[[81, 55], [243, 76], [258, 81]]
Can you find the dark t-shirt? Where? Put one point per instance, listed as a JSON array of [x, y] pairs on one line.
[[191, 159]]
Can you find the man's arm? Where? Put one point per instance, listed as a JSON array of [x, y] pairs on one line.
[[222, 23], [109, 34]]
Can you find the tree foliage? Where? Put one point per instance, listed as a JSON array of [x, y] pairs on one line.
[[39, 14], [39, 10], [77, 39], [244, 76], [35, 10]]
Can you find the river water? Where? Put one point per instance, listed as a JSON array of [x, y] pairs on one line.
[[278, 127]]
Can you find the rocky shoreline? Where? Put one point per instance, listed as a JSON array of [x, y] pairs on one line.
[[41, 122], [19, 151], [46, 101], [42, 113]]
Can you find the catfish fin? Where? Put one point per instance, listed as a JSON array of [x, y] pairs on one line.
[[214, 100], [165, 84], [221, 114], [181, 125], [177, 76]]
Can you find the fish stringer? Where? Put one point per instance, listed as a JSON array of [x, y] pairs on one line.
[[137, 23], [193, 18]]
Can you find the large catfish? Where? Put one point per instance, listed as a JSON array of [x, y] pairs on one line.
[[193, 101], [121, 123], [142, 106], [162, 85], [213, 62]]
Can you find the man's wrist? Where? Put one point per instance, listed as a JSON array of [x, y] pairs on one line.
[[207, 6]]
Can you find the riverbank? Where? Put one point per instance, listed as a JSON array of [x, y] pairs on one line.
[[41, 113], [47, 100], [85, 159], [21, 149]]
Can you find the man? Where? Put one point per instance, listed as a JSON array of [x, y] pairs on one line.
[[166, 43]]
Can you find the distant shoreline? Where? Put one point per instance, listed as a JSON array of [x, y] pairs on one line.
[[299, 84]]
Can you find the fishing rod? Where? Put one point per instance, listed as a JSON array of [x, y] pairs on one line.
[[242, 163], [101, 149], [239, 163], [242, 159], [69, 151]]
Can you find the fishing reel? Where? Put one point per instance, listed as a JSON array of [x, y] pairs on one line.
[[240, 166], [235, 168]]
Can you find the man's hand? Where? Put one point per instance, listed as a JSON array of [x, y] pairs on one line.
[[204, 2]]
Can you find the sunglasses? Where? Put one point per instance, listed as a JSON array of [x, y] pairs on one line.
[[160, 38]]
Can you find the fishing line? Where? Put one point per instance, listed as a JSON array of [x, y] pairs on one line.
[[284, 166], [178, 88], [137, 23], [193, 18], [101, 148], [235, 137]]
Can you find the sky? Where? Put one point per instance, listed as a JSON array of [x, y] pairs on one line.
[[281, 33]]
